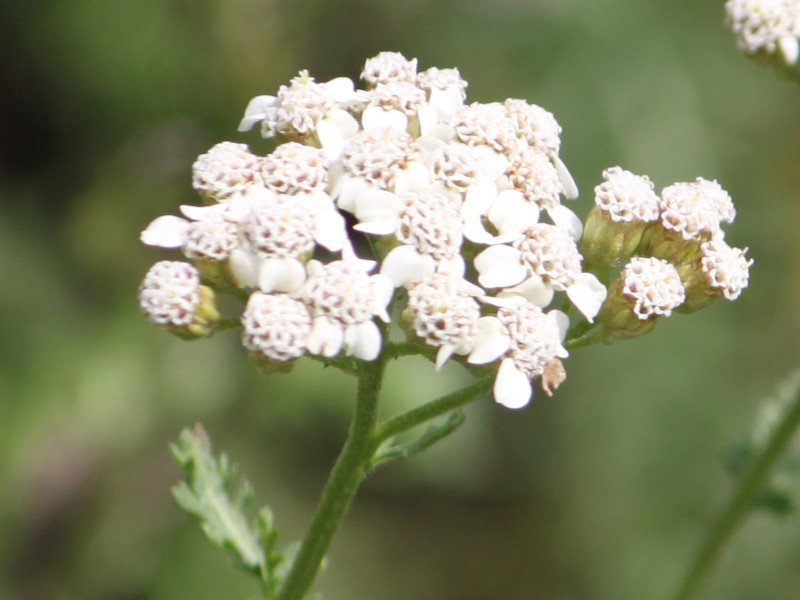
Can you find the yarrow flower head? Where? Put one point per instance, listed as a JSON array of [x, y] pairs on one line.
[[172, 295], [648, 288], [766, 30], [624, 204], [276, 326], [459, 206], [225, 170]]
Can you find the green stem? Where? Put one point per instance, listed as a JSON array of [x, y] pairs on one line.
[[584, 338], [348, 472], [742, 501], [431, 410]]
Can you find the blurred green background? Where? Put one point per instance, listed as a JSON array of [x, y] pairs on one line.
[[601, 493]]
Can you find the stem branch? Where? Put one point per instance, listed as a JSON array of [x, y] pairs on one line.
[[431, 410], [742, 501]]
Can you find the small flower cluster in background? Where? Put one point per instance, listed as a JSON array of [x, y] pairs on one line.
[[767, 31], [459, 207]]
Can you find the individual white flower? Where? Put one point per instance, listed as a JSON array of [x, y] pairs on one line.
[[458, 166], [170, 293], [294, 168], [377, 160], [343, 299], [525, 340], [543, 260], [769, 26], [443, 312], [389, 66], [428, 225], [535, 125], [281, 234], [653, 285], [532, 172], [205, 235], [485, 124], [278, 234], [276, 325], [726, 268], [227, 169], [307, 111]]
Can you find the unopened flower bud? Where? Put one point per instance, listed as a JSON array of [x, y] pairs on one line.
[[691, 214], [624, 204], [647, 289], [172, 296], [718, 271], [766, 30]]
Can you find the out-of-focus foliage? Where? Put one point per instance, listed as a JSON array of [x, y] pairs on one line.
[[599, 493]]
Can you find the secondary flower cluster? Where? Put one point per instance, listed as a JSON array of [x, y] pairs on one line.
[[672, 248], [767, 30], [458, 205]]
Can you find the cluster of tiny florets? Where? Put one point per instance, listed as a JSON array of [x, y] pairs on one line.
[[461, 205], [767, 30], [671, 247]]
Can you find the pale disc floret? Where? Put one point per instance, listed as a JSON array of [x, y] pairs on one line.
[[276, 326], [768, 26], [537, 126], [653, 285], [281, 227], [170, 293], [694, 208], [717, 198], [532, 172], [485, 124], [378, 156], [443, 313], [550, 253], [225, 170], [626, 197], [388, 66], [457, 166], [432, 224], [295, 168], [343, 299], [726, 268], [211, 239]]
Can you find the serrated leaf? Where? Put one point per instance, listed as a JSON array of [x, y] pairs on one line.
[[216, 494]]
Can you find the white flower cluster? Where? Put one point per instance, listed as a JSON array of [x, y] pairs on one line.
[[461, 204], [766, 28]]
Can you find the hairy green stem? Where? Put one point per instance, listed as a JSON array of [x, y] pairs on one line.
[[348, 472], [742, 501]]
